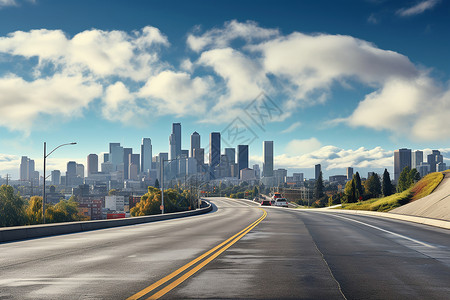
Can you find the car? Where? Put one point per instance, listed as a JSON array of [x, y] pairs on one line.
[[281, 202], [276, 195], [265, 203]]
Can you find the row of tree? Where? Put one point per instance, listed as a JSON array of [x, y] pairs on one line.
[[15, 211]]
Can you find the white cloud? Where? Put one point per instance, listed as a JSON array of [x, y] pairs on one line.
[[331, 157], [102, 53], [292, 127], [418, 8], [300, 147], [176, 93], [416, 108], [222, 37], [24, 102], [7, 3]]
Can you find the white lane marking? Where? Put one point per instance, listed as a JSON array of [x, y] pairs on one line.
[[390, 232], [241, 202]]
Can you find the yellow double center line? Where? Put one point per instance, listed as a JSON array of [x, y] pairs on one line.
[[199, 263]]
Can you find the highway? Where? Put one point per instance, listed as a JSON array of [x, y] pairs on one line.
[[238, 251]]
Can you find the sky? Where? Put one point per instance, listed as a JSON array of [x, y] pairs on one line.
[[341, 83]]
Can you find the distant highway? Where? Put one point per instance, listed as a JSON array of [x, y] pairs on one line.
[[238, 251]]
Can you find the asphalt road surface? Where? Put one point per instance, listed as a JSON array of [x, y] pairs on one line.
[[236, 251]]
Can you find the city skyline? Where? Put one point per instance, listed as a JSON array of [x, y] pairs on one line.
[[345, 114]]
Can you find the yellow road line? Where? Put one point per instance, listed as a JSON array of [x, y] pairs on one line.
[[183, 268], [174, 284]]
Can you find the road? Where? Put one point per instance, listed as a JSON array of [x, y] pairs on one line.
[[281, 254]]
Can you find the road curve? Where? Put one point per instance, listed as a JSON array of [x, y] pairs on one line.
[[286, 254]]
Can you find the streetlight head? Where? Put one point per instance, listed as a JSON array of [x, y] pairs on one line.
[[74, 143]]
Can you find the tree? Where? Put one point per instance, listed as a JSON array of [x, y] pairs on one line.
[[63, 211], [318, 188], [359, 191], [404, 180], [150, 202], [349, 192], [373, 186], [157, 184], [413, 177], [112, 192], [12, 207], [34, 210], [386, 187]]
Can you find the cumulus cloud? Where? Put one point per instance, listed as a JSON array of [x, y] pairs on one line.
[[417, 108], [23, 102], [299, 147], [4, 3], [222, 37], [102, 53], [331, 157], [418, 8]]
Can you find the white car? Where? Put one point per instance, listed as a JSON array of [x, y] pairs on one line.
[[282, 202]]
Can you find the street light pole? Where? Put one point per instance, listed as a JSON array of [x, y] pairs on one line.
[[162, 186], [45, 160]]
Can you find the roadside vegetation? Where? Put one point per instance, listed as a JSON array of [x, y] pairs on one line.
[[407, 189], [15, 211]]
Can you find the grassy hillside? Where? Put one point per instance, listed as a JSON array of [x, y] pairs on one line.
[[423, 188]]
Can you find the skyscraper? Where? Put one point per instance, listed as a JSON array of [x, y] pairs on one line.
[[268, 158], [433, 159], [195, 142], [349, 173], [146, 155], [71, 173], [30, 171], [417, 159], [175, 141], [231, 154], [317, 170], [56, 177], [126, 161], [242, 157], [80, 170], [116, 155], [402, 159], [214, 152], [92, 164], [24, 168]]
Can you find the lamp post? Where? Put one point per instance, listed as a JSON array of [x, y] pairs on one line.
[[45, 160]]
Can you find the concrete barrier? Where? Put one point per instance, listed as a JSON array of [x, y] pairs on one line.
[[420, 220], [8, 234]]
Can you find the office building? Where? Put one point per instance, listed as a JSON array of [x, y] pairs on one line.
[[298, 177], [195, 142], [214, 152], [317, 170], [116, 156], [423, 169], [257, 171], [402, 159], [80, 170], [416, 159], [146, 155], [349, 173], [231, 155], [268, 158], [441, 166], [92, 164], [433, 159], [175, 141], [24, 168], [56, 177], [126, 162], [31, 171], [242, 157], [71, 173]]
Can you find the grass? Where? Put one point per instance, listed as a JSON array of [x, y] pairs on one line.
[[423, 188]]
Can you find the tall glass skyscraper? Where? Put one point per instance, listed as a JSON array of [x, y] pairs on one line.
[[146, 154], [242, 158], [195, 142], [402, 159], [214, 152], [268, 158], [175, 141]]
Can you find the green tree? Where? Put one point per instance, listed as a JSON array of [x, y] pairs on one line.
[[404, 181], [63, 211], [349, 192], [373, 186], [12, 207], [359, 191], [112, 192], [413, 177], [150, 202], [318, 188], [387, 187], [34, 210]]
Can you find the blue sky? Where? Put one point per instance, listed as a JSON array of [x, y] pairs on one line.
[[353, 80]]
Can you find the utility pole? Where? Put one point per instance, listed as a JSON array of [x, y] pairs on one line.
[[7, 179]]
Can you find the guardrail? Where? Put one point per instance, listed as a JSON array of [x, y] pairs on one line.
[[8, 234]]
